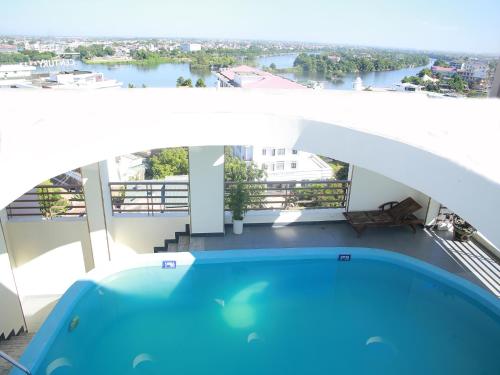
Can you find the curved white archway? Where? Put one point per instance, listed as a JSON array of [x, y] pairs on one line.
[[445, 148]]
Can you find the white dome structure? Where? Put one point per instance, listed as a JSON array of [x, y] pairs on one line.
[[357, 85]]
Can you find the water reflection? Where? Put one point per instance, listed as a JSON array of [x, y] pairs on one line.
[[239, 312]]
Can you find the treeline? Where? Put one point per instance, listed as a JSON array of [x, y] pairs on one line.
[[94, 50], [342, 63], [25, 56]]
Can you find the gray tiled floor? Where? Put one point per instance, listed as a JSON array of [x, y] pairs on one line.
[[13, 347], [434, 247]]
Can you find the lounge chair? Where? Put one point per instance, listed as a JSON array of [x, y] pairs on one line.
[[389, 214]]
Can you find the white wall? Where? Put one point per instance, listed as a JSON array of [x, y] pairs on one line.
[[431, 150], [289, 216], [206, 189], [48, 256], [139, 234], [369, 190], [11, 316]]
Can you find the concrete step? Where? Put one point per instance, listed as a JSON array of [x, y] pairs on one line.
[[183, 243], [172, 247]]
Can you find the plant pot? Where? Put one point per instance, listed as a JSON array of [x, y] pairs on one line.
[[237, 226], [462, 231]]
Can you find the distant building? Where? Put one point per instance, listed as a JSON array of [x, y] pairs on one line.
[[457, 64], [15, 71], [444, 71], [79, 79], [7, 48], [474, 71], [247, 77], [191, 47], [130, 167], [284, 164], [408, 87]]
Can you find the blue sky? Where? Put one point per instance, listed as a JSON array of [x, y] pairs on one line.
[[471, 26]]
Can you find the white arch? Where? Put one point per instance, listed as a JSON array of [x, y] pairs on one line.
[[446, 148]]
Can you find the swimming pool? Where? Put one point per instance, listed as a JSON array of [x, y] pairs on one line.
[[286, 311]]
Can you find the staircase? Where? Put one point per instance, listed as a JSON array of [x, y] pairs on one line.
[[179, 243]]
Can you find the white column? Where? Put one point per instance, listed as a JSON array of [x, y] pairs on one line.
[[206, 190], [96, 219], [11, 313]]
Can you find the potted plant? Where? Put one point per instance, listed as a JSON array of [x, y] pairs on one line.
[[238, 201], [462, 230]]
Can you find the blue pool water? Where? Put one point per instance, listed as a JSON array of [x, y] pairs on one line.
[[282, 316]]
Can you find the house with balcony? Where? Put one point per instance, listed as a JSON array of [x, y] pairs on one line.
[[443, 156]]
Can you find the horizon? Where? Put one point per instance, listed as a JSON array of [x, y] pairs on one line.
[[433, 26], [197, 38]]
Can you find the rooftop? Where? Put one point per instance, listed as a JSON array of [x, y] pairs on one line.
[[258, 78]]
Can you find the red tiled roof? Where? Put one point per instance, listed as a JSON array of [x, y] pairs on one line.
[[264, 80]]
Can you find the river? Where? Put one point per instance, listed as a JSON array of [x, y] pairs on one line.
[[374, 79], [165, 75]]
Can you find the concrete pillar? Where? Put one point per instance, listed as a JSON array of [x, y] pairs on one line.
[[96, 219], [11, 313], [206, 190]]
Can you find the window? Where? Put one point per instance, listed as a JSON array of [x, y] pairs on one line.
[[272, 167], [281, 151], [264, 152], [280, 166], [264, 166], [294, 152], [293, 165], [274, 152]]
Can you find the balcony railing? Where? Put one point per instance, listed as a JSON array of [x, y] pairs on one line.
[[284, 195], [149, 197], [50, 201]]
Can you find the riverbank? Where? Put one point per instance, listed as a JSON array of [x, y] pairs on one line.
[[128, 60]]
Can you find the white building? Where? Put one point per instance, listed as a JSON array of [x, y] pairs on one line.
[[15, 71], [408, 87], [285, 164], [191, 47], [474, 71], [80, 79]]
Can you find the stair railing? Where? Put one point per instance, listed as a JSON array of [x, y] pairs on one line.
[[14, 363]]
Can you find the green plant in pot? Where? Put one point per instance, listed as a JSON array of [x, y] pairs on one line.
[[243, 188], [462, 230], [238, 201]]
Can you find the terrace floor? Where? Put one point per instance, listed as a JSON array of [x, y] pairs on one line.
[[466, 259], [469, 260]]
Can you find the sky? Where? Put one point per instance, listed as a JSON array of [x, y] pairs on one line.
[[442, 25]]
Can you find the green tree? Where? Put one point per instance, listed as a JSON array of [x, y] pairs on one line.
[[272, 66], [200, 83], [51, 203], [241, 194], [440, 62], [187, 83], [168, 162], [180, 81], [425, 72], [457, 83], [131, 86]]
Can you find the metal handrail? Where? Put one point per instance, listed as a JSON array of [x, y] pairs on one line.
[[49, 201], [284, 195], [149, 197], [14, 363]]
